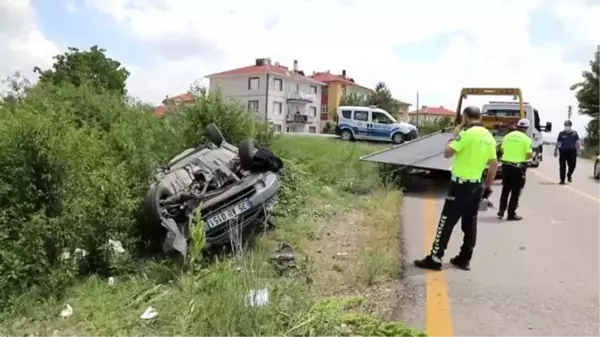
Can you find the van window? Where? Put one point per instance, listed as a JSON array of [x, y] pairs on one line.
[[362, 116], [347, 114], [378, 117], [502, 113]]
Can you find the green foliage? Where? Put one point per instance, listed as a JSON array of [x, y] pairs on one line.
[[427, 127], [382, 98], [588, 97], [91, 68], [75, 164], [353, 99]]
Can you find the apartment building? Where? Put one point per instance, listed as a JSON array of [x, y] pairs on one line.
[[336, 87], [286, 98], [429, 114]]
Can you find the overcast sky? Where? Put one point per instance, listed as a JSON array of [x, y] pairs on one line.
[[431, 46]]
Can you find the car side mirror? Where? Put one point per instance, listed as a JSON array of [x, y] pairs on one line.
[[548, 127]]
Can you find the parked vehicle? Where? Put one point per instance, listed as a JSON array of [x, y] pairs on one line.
[[372, 123], [228, 185], [597, 168]]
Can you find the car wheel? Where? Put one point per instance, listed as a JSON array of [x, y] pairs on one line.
[[214, 135], [247, 149], [398, 138], [154, 231], [346, 135], [597, 169]]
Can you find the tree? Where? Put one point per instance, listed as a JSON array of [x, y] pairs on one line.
[[588, 98], [91, 67], [382, 98], [353, 100]]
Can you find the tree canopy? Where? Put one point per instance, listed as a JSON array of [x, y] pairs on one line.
[[588, 98], [90, 67]]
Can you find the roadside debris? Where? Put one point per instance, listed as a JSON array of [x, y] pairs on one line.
[[116, 246], [67, 311], [284, 258], [150, 313], [111, 281], [257, 298]]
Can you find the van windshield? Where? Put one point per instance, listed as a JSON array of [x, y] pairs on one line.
[[502, 113]]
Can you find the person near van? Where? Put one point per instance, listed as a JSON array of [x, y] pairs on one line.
[[567, 149], [516, 151], [472, 147]]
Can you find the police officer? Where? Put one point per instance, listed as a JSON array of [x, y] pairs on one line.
[[567, 148], [472, 146], [516, 151]]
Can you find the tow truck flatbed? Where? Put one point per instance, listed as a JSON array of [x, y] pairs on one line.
[[425, 153]]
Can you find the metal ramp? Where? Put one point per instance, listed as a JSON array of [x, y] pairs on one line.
[[426, 153]]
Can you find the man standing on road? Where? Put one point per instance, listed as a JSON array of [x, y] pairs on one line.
[[567, 149], [516, 151], [472, 146]]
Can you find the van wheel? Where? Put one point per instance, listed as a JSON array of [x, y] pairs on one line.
[[597, 169], [347, 135], [398, 138]]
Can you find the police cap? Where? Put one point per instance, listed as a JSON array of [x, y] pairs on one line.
[[472, 112]]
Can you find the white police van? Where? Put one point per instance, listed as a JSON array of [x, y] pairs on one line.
[[510, 110], [372, 123]]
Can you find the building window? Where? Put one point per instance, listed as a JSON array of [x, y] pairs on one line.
[[312, 129], [324, 90], [253, 83], [253, 106], [276, 127], [313, 111], [313, 89], [324, 108], [277, 108], [277, 84]]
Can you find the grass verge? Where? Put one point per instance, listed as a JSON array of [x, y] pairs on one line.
[[334, 212]]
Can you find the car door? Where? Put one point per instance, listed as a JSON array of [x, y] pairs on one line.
[[380, 127], [362, 121]]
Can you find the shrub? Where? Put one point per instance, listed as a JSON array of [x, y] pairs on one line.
[[75, 164]]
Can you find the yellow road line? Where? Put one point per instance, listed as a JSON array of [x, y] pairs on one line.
[[438, 318], [572, 189]]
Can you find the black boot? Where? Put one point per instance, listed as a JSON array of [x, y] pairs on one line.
[[514, 217], [461, 262], [428, 263]]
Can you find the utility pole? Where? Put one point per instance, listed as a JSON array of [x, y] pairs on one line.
[[417, 110], [570, 112]]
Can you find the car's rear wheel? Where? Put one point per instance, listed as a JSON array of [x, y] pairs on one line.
[[346, 135], [247, 149], [214, 135], [398, 138], [154, 230], [597, 169]]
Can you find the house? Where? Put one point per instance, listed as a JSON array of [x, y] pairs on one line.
[[286, 98], [170, 103], [402, 113], [336, 87], [429, 114]]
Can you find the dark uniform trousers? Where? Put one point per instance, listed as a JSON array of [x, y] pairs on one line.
[[566, 159], [462, 202], [513, 181]]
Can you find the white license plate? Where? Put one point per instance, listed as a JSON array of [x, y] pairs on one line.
[[228, 214]]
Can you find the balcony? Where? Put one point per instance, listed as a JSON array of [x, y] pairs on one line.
[[298, 96], [297, 118]]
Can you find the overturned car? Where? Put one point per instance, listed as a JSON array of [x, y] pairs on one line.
[[234, 188]]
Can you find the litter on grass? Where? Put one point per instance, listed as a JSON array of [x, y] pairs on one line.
[[67, 311], [150, 313], [257, 298]]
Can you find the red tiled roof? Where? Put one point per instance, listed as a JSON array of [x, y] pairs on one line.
[[160, 110], [441, 111], [327, 77], [267, 68], [185, 98]]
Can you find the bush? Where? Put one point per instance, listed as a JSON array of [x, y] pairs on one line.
[[75, 164]]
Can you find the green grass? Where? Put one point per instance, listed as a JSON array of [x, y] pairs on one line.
[[323, 178]]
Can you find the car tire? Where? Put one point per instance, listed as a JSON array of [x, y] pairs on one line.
[[214, 135], [398, 138], [597, 169], [247, 149], [347, 135], [154, 231]]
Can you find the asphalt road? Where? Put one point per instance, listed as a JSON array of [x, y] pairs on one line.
[[539, 276]]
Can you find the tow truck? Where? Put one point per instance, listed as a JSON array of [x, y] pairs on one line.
[[425, 155]]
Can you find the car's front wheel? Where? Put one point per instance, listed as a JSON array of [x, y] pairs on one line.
[[398, 138], [597, 169], [346, 135]]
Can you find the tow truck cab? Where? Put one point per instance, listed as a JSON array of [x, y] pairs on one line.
[[510, 112]]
